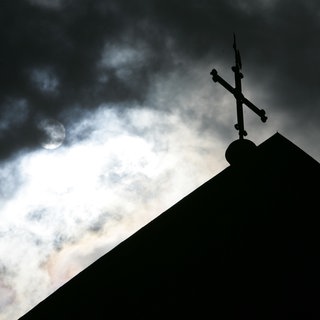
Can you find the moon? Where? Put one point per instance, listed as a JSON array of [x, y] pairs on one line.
[[52, 133]]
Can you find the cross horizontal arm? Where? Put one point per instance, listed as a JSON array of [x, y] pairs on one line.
[[238, 95], [224, 83], [260, 112]]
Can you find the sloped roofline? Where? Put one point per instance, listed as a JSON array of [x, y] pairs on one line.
[[280, 141]]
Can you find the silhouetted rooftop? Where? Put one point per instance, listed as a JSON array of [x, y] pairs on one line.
[[244, 245]]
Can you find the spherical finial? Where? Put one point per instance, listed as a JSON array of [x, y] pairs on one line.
[[240, 151]]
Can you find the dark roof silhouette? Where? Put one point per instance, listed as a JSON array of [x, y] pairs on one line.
[[244, 245]]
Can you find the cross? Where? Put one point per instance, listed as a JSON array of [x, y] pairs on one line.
[[237, 92]]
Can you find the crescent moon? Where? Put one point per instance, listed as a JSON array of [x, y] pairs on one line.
[[52, 133]]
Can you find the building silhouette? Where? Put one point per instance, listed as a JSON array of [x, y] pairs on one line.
[[244, 245]]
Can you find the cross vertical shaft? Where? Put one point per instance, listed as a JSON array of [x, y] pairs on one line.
[[237, 92]]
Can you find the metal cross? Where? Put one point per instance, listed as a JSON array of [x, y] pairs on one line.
[[237, 92]]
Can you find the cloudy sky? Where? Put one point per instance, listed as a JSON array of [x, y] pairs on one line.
[[108, 116]]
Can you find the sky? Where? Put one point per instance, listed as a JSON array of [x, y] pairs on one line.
[[109, 116]]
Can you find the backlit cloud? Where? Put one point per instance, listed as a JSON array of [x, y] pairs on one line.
[[77, 201]]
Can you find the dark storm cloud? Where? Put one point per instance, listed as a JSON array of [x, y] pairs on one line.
[[55, 57], [279, 41], [51, 59], [69, 42]]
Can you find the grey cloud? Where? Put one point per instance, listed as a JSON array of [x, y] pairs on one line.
[[93, 52], [49, 4], [37, 215], [11, 179], [14, 112], [7, 296], [278, 44], [45, 80]]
